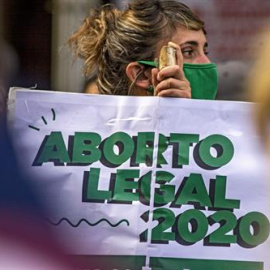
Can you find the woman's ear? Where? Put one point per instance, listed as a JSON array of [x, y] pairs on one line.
[[138, 75]]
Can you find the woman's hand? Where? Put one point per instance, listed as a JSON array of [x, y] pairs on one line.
[[171, 80]]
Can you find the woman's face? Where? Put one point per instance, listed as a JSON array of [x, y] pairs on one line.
[[193, 45]]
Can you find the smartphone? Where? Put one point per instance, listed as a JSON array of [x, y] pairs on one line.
[[167, 57]]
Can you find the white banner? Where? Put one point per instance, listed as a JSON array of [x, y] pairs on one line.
[[148, 183]]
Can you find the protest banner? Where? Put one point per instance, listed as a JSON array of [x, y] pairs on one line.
[[147, 182]]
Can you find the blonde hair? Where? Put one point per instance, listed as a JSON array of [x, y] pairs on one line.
[[259, 89], [109, 39]]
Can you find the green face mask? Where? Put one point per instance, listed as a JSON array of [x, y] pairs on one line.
[[203, 80], [202, 77]]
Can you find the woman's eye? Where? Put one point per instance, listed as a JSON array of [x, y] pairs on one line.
[[188, 53]]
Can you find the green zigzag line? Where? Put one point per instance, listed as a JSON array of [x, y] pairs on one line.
[[86, 221]]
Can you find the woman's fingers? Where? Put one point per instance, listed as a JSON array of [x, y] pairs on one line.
[[171, 71], [172, 83], [175, 93], [170, 86]]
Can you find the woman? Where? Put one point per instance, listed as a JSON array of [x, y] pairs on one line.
[[112, 42]]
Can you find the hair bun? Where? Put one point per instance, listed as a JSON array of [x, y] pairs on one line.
[[90, 39], [109, 15]]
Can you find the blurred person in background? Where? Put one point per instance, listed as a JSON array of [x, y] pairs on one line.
[[26, 241], [258, 85]]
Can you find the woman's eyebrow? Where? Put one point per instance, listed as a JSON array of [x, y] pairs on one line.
[[194, 43]]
